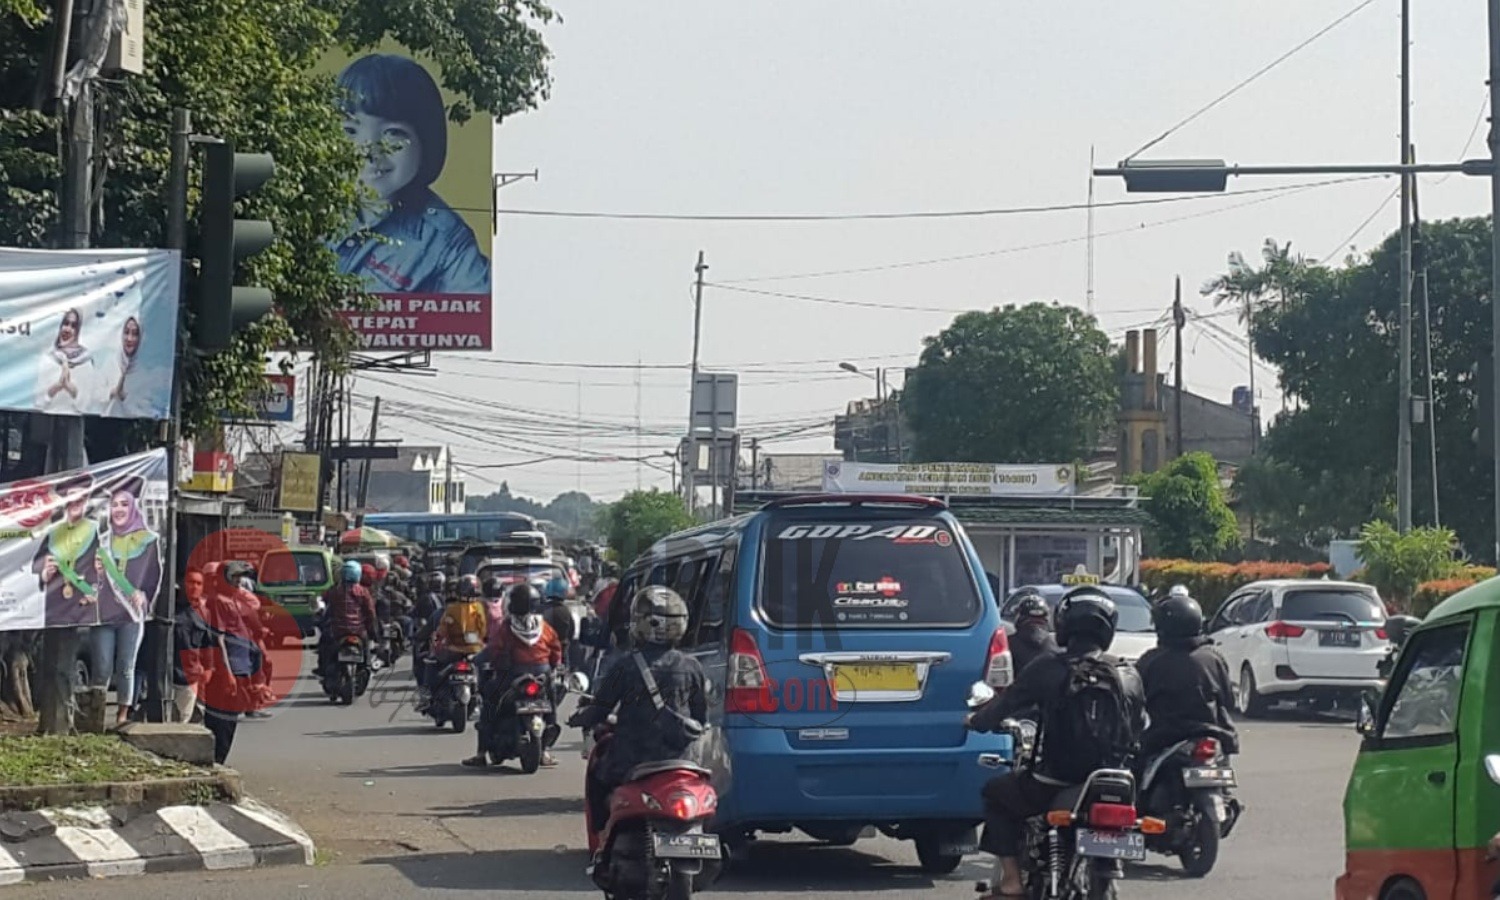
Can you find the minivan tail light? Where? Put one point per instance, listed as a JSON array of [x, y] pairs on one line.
[[1380, 634], [1280, 631], [747, 687], [999, 667]]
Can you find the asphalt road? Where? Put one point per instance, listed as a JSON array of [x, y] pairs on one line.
[[395, 816]]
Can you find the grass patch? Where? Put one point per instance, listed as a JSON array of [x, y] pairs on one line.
[[81, 759]]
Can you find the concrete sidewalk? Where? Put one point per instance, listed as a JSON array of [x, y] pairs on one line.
[[94, 842]]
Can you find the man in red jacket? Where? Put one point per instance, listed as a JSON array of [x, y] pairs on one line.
[[351, 611]]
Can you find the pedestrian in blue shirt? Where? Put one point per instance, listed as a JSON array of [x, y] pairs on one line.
[[408, 240]]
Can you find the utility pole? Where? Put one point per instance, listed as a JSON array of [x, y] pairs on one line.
[[691, 462], [448, 480], [1179, 321], [1429, 401], [1403, 449], [1494, 81], [1089, 290], [364, 466], [639, 450], [755, 464]]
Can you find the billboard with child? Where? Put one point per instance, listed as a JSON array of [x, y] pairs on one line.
[[423, 236]]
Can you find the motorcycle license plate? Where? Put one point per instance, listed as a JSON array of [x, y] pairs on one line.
[[685, 846], [1111, 844], [532, 709], [353, 656], [1208, 778]]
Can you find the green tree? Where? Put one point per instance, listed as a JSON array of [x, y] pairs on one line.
[[641, 518], [1033, 383], [1333, 336], [1396, 563], [247, 72], [1186, 502]]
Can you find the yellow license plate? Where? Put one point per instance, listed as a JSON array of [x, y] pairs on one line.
[[876, 677]]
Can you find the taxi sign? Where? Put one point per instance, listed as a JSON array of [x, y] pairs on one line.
[[1081, 578]]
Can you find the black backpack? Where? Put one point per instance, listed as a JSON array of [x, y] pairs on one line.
[[1090, 726]]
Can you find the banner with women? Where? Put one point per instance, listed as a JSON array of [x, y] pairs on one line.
[[88, 332], [83, 547]]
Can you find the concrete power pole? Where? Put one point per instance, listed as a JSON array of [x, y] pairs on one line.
[[1494, 82], [1179, 321], [691, 463], [1403, 450]]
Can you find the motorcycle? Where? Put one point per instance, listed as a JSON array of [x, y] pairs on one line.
[[391, 649], [1188, 785], [348, 675], [520, 730], [654, 845], [455, 696], [1075, 851]]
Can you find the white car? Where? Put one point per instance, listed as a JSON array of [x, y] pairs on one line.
[[1134, 634], [1315, 642]]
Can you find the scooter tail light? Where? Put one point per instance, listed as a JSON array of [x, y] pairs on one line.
[[1206, 750], [532, 689], [1112, 816], [682, 805], [747, 686], [461, 666]]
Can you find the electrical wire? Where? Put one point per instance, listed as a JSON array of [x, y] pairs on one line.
[[1280, 193], [869, 217], [1254, 77], [1360, 229], [1484, 105]]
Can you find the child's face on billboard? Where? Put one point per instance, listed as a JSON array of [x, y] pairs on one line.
[[393, 152]]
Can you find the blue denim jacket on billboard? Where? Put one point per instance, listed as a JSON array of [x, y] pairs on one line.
[[418, 248]]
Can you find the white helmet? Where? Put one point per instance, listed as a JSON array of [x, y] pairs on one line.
[[1179, 592]]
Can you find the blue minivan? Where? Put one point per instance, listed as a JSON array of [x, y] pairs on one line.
[[841, 634]]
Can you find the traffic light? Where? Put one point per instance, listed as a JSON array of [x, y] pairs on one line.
[[220, 307], [1175, 176]]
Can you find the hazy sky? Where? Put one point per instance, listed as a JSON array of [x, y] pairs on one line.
[[869, 106]]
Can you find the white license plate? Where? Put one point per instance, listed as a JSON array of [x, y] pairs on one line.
[[685, 846], [1111, 844], [1208, 778], [532, 709], [349, 656]]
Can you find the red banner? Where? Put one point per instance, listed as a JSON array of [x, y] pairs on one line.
[[405, 322]]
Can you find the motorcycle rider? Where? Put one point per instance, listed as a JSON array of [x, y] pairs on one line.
[[1086, 619], [1186, 680], [557, 614], [459, 633], [428, 610], [658, 620], [1033, 637], [349, 610], [520, 643]]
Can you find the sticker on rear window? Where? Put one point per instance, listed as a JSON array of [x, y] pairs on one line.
[[897, 534]]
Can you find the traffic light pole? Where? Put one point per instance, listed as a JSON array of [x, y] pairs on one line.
[[1494, 81], [160, 689]]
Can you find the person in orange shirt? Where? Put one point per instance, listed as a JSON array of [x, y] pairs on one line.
[[522, 643], [460, 633]]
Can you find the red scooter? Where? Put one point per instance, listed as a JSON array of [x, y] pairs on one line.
[[654, 846]]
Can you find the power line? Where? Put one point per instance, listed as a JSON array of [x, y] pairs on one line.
[[866, 217], [1484, 106], [1344, 244], [1248, 81], [1279, 193]]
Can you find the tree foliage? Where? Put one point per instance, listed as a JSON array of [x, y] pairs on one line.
[[1328, 464], [1186, 502], [641, 518], [576, 514], [1033, 383], [1396, 563], [247, 72]]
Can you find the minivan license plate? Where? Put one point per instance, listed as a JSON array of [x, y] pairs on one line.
[[685, 846], [1111, 844], [1340, 638], [861, 677]]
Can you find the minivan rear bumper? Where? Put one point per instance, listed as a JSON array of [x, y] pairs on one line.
[[772, 782]]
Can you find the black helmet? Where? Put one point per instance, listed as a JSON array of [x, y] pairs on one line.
[[1087, 612], [1177, 617], [494, 587], [1031, 605], [1399, 628], [523, 599], [468, 586]]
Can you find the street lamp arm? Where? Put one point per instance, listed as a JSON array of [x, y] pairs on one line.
[[1475, 167]]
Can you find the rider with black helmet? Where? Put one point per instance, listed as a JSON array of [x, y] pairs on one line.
[[521, 643], [1086, 619], [643, 732], [1186, 678], [1033, 637]]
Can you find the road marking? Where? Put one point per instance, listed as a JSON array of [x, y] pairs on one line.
[[104, 852], [220, 847], [276, 822]]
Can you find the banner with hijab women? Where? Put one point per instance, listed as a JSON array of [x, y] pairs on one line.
[[82, 547], [88, 332]]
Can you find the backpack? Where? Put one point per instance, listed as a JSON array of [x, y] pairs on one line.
[[1090, 726]]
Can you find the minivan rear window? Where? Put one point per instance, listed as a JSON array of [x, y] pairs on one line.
[[1331, 604], [887, 573]]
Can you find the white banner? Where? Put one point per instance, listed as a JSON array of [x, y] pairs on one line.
[[88, 332], [948, 479]]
